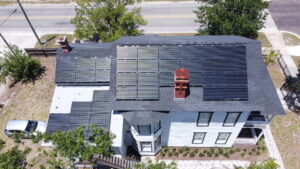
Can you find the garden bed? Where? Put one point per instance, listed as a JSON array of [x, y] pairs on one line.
[[244, 152]]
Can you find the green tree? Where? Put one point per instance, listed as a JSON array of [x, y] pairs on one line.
[[268, 164], [106, 20], [231, 17], [74, 146], [156, 165], [14, 158], [19, 66]]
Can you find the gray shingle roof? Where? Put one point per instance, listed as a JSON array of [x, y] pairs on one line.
[[262, 95]]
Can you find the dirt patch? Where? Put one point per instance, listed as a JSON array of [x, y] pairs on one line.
[[286, 131], [264, 40], [29, 102]]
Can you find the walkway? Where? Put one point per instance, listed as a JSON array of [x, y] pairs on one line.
[[276, 39]]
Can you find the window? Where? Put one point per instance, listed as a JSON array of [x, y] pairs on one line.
[[231, 118], [31, 126], [222, 138], [144, 129], [157, 142], [198, 138], [204, 118], [146, 146], [157, 126]]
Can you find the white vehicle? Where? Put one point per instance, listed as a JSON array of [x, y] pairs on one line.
[[27, 127]]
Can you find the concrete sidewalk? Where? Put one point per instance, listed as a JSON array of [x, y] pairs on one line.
[[276, 39]]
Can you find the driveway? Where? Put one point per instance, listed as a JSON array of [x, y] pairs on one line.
[[286, 14]]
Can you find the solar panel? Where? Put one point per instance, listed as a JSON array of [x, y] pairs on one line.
[[126, 92], [225, 93], [191, 52], [100, 107], [100, 95], [126, 65], [168, 65], [196, 79], [81, 107], [126, 78], [65, 76], [148, 53], [148, 92], [166, 79], [169, 52], [126, 52], [192, 65], [102, 63], [100, 119], [79, 118], [65, 63], [85, 75], [148, 66], [85, 63], [102, 75], [148, 79]]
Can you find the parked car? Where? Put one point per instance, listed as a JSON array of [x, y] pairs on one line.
[[26, 127]]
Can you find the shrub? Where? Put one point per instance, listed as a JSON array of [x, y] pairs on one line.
[[180, 150], [192, 154], [258, 153], [250, 153], [174, 150], [2, 144], [221, 151], [216, 154], [209, 154], [238, 149], [185, 154], [176, 154], [258, 147], [165, 149], [162, 153], [253, 149], [245, 150], [201, 154], [170, 154], [243, 154], [196, 151], [187, 149], [17, 137], [19, 66], [205, 151], [226, 155], [264, 148], [212, 150], [231, 151]]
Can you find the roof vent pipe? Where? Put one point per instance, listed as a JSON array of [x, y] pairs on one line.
[[181, 83], [62, 40]]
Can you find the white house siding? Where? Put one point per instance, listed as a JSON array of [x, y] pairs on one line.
[[178, 129], [117, 128]]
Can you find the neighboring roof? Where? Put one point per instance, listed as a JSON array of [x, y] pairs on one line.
[[16, 125]]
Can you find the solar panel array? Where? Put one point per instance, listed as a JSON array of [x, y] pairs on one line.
[[82, 70], [220, 70], [83, 114]]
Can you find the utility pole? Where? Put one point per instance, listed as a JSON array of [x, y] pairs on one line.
[[7, 44], [40, 42]]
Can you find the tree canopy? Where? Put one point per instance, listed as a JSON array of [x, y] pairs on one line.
[[19, 66], [231, 17], [106, 20], [74, 146], [14, 158]]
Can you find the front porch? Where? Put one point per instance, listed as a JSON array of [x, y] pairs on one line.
[[249, 135]]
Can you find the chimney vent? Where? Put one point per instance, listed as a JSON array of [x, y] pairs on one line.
[[62, 40], [181, 83]]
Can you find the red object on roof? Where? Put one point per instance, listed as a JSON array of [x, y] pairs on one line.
[[181, 83], [62, 40]]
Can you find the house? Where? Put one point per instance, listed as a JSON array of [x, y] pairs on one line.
[[152, 91]]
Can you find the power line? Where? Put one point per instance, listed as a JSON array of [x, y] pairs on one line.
[[15, 10]]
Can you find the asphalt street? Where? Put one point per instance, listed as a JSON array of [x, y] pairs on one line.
[[168, 17], [286, 14]]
